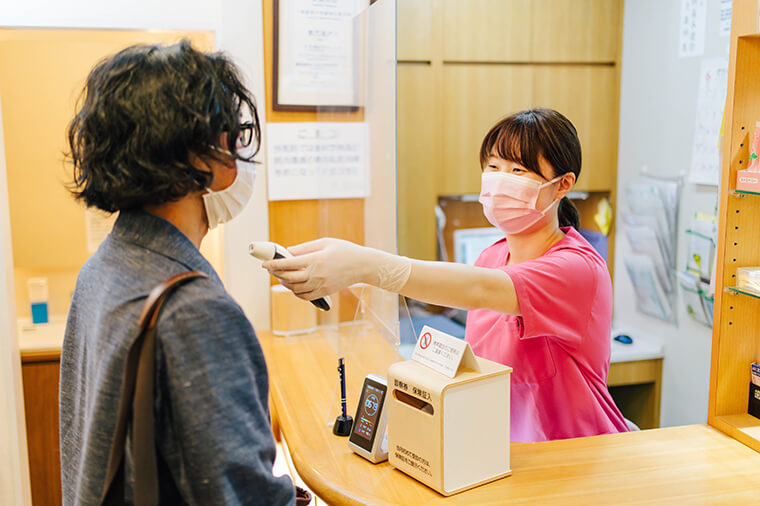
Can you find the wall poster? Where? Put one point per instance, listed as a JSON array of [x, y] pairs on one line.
[[318, 46]]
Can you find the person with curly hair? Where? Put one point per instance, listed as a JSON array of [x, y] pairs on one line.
[[166, 137]]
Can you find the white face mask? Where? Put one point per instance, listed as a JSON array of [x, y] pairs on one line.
[[225, 204]]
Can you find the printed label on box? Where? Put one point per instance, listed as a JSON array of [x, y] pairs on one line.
[[442, 352]]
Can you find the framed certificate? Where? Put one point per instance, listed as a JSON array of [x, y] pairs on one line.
[[317, 55]]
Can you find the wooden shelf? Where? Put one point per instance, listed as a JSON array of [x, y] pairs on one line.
[[736, 338], [741, 193], [742, 427], [743, 291]]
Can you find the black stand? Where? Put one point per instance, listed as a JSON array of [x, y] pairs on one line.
[[344, 422]]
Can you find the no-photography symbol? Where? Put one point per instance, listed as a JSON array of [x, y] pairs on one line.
[[425, 340]]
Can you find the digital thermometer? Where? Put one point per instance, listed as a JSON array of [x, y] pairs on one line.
[[368, 435], [265, 251]]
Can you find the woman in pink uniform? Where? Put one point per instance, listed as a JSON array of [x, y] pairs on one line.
[[539, 300]]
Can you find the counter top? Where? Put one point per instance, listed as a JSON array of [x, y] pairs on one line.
[[640, 349], [688, 463], [46, 337]]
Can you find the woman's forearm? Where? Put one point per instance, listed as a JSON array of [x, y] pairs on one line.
[[445, 283]]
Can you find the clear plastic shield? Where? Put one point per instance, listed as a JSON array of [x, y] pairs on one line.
[[336, 72]]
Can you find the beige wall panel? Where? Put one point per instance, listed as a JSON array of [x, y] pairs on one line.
[[487, 30], [475, 98], [38, 101], [414, 29], [417, 170], [43, 73], [587, 95], [575, 30]]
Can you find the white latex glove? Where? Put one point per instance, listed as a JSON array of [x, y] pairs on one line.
[[326, 266]]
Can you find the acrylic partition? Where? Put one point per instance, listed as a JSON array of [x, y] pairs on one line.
[[364, 162], [331, 151]]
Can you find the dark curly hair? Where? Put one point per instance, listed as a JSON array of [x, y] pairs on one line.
[[525, 135], [143, 112]]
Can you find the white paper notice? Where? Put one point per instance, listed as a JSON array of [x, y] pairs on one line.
[[317, 160], [725, 17], [97, 226], [317, 53], [691, 40], [705, 157], [442, 352]]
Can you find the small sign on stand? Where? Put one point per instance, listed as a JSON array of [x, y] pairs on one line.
[[443, 353]]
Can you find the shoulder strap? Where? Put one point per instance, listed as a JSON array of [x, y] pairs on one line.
[[137, 394]]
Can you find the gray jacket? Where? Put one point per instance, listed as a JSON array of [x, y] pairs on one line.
[[213, 430]]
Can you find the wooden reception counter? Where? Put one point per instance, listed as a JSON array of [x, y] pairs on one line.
[[693, 463]]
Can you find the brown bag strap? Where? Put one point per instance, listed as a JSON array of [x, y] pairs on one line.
[[137, 394]]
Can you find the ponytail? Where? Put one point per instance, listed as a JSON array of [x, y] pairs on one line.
[[568, 214]]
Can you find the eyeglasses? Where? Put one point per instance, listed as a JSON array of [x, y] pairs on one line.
[[246, 134]]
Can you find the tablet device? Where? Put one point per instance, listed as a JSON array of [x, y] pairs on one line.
[[368, 435]]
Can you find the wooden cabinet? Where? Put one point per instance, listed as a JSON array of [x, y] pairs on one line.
[[40, 371], [588, 96], [414, 30], [736, 328], [416, 185], [575, 30], [486, 30], [530, 30], [636, 387], [474, 98], [472, 103]]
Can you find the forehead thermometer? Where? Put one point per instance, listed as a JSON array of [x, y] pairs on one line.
[[265, 251], [368, 435]]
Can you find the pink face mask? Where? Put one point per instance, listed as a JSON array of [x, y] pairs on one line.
[[509, 201]]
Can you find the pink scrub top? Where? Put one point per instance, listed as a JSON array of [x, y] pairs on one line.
[[559, 348]]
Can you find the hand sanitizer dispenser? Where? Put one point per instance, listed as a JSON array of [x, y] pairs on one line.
[[448, 415], [38, 299]]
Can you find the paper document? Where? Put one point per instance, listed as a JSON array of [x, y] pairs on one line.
[[725, 17], [711, 101], [692, 297], [644, 240], [650, 227], [691, 37], [650, 297], [317, 160]]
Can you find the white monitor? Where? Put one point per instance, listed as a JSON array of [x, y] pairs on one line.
[[470, 242]]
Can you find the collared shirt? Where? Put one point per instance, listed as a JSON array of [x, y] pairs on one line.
[[212, 426], [559, 348]]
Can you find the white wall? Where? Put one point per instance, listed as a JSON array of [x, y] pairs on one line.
[[658, 98], [238, 28], [14, 476], [166, 14]]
